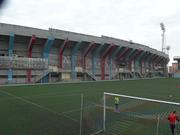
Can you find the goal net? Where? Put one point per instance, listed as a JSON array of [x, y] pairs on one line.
[[136, 115]]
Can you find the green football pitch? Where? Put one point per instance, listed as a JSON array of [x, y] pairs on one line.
[[54, 109]]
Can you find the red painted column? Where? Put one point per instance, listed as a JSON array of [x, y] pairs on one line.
[[30, 45], [60, 57]]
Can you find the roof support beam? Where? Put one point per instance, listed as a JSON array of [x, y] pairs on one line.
[[103, 60], [86, 52], [94, 57], [108, 51], [143, 54], [123, 53], [130, 53], [154, 58], [30, 45], [112, 56], [134, 54], [74, 60], [47, 47], [145, 57], [138, 58], [137, 62], [158, 59], [131, 57], [11, 44], [46, 50], [61, 50], [150, 57]]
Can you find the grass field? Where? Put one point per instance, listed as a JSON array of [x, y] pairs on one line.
[[54, 109]]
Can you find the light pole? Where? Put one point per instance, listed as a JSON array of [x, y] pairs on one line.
[[163, 47], [168, 48], [163, 36]]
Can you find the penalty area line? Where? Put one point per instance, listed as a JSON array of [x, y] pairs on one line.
[[37, 105], [96, 133]]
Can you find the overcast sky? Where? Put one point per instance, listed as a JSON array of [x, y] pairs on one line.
[[136, 20]]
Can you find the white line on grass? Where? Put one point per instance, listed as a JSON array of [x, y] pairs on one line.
[[39, 106], [47, 95], [98, 132], [58, 94]]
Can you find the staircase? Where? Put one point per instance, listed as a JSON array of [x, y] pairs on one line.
[[40, 76], [149, 74], [139, 74], [90, 75]]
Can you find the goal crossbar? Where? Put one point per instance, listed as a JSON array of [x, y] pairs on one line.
[[145, 99]]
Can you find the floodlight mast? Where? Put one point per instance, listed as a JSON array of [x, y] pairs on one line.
[[168, 48], [163, 36]]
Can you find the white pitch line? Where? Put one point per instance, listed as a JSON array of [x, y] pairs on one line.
[[96, 133], [39, 106], [45, 95], [55, 94]]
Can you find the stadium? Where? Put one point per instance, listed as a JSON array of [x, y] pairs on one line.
[[30, 55], [56, 82]]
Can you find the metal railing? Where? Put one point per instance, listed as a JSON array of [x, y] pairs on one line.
[[23, 63]]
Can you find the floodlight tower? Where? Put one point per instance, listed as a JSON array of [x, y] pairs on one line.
[[168, 48], [163, 36]]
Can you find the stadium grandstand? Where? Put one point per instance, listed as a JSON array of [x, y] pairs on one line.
[[177, 72], [31, 55]]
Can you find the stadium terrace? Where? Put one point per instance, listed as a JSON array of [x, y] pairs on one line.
[[31, 55]]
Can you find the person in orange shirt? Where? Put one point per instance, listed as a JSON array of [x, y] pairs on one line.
[[173, 118]]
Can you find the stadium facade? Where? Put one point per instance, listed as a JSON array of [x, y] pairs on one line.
[[177, 70], [31, 55]]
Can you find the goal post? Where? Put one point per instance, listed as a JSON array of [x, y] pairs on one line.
[[135, 112], [104, 112]]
